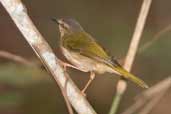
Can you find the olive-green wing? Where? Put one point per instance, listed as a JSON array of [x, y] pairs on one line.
[[87, 46]]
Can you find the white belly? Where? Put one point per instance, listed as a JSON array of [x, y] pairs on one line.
[[84, 63]]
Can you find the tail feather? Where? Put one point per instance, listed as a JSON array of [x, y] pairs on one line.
[[130, 76]]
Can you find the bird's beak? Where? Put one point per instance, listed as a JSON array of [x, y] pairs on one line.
[[55, 20]]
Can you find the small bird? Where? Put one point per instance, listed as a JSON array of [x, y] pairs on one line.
[[86, 54]]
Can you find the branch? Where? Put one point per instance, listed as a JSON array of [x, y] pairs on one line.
[[132, 51], [154, 93], [137, 34], [157, 88], [16, 58], [155, 38], [20, 17], [152, 103]]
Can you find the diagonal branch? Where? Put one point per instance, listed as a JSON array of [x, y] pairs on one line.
[[19, 15], [16, 58], [150, 94], [122, 85], [137, 34]]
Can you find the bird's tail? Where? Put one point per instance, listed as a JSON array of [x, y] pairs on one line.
[[130, 76]]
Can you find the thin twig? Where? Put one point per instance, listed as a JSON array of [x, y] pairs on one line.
[[157, 97], [133, 47], [19, 15], [133, 108], [148, 107], [150, 93], [137, 34], [154, 39], [16, 58], [116, 101], [157, 88]]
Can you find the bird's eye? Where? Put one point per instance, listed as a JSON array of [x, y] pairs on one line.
[[62, 25]]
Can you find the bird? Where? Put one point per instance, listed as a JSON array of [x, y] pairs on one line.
[[86, 54]]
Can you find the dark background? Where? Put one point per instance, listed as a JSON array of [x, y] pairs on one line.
[[27, 90]]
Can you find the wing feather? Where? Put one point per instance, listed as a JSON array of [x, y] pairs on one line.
[[84, 44]]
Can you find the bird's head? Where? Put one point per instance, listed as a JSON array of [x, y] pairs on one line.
[[68, 26]]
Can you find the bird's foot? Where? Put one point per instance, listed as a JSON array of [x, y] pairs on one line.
[[83, 93], [65, 65]]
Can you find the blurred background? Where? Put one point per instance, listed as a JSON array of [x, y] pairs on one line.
[[30, 90]]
